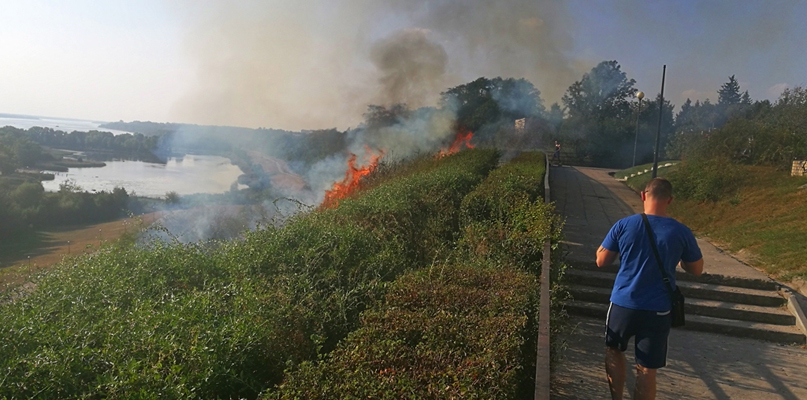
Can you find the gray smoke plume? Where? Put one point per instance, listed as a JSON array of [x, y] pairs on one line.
[[309, 64], [411, 66]]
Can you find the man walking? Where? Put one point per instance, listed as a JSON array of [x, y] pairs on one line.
[[556, 154], [640, 300]]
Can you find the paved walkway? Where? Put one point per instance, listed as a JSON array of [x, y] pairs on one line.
[[700, 365]]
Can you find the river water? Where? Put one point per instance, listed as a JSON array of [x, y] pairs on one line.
[[59, 124], [186, 175]]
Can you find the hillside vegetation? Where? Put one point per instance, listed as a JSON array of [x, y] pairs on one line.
[[228, 319], [463, 328], [754, 212], [733, 183]]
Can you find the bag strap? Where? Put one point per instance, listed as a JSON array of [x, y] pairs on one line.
[[665, 276]]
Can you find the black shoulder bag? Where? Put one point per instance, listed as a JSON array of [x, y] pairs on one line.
[[676, 298]]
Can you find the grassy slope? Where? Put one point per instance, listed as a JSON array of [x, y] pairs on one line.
[[168, 320], [764, 225], [47, 247]]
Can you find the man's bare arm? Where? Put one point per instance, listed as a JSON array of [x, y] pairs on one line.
[[605, 257], [694, 268]]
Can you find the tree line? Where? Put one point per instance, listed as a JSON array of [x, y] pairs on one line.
[[601, 122], [24, 204], [125, 143]]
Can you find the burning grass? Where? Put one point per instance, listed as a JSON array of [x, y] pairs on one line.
[[191, 321], [174, 320], [353, 177], [460, 329], [463, 137]]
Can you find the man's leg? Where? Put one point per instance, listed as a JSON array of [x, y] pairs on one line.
[[616, 370], [645, 383], [651, 353]]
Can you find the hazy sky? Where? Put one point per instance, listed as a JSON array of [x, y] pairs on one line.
[[317, 64]]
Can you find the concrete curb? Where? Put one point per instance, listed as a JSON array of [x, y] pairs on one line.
[[645, 172], [795, 308], [543, 356]]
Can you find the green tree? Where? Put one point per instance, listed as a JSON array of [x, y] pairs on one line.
[[28, 194], [555, 116], [729, 93], [603, 92], [172, 198], [649, 121], [7, 162], [378, 117], [486, 102], [790, 97], [27, 152], [746, 99], [601, 125]]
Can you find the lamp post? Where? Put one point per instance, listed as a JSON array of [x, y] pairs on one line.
[[660, 115], [640, 96]]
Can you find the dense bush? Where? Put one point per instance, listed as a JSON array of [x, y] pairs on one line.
[[24, 205], [463, 329], [449, 332], [192, 321], [505, 217], [168, 321], [706, 179], [521, 179]]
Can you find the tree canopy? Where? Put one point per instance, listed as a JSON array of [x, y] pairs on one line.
[[488, 101], [729, 93], [603, 92]]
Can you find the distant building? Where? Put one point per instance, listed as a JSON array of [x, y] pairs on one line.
[[521, 126]]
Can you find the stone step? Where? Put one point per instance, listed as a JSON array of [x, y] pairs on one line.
[[706, 291], [720, 309], [785, 334], [761, 284]]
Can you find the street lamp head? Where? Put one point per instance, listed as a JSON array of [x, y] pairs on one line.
[[639, 95]]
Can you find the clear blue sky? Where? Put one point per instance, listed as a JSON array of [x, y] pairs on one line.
[[309, 64]]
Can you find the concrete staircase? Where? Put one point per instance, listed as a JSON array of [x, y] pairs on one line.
[[731, 306]]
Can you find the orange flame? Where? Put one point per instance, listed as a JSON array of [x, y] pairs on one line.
[[463, 136], [353, 176]]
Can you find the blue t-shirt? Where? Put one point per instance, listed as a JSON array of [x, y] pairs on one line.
[[639, 283]]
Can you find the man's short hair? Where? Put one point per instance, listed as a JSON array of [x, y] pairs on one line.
[[659, 188]]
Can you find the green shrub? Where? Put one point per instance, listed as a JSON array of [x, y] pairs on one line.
[[706, 179], [165, 322], [448, 332], [224, 320], [459, 330], [521, 179], [505, 217]]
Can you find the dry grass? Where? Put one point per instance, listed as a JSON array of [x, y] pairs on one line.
[[25, 255]]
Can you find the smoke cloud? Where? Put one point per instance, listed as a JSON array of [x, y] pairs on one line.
[[411, 66], [310, 64]]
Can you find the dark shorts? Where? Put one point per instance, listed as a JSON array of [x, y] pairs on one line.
[[650, 328]]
